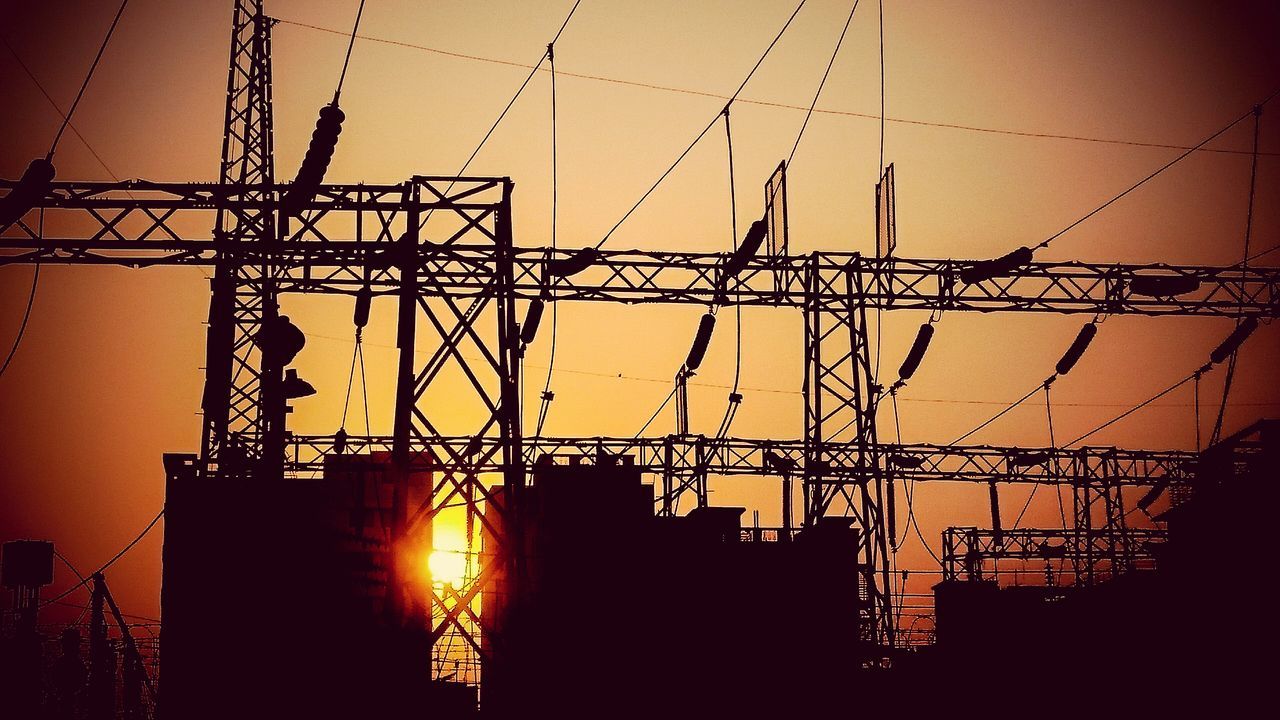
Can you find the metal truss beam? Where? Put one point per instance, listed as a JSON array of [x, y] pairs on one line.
[[979, 464], [965, 551], [349, 227]]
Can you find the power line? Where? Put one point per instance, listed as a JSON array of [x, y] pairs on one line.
[[998, 415], [821, 84], [1134, 409], [26, 315], [57, 109], [1045, 243], [347, 59], [108, 563], [1248, 235], [533, 71], [779, 391], [782, 105], [94, 66], [705, 130], [547, 396]]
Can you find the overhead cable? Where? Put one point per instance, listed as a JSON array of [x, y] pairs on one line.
[[780, 105], [704, 131]]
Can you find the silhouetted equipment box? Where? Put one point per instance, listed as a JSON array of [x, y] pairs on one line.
[[27, 563]]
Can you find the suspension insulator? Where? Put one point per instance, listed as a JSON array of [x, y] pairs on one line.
[[999, 267], [1234, 340], [916, 354], [324, 139], [1163, 285], [700, 341], [1078, 346], [364, 299], [529, 329], [32, 187], [747, 249], [574, 264]]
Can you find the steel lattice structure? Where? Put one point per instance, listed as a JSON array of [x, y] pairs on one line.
[[443, 249], [965, 551]]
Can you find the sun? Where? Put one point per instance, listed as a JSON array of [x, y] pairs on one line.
[[448, 567]]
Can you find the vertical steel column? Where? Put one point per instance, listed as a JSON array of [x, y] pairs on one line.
[[233, 412], [840, 394]]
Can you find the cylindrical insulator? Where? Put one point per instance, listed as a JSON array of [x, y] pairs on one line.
[[31, 189], [574, 264], [529, 329], [1163, 285], [1003, 265], [1078, 346], [747, 249], [364, 299], [700, 341], [1234, 340], [996, 527], [916, 354]]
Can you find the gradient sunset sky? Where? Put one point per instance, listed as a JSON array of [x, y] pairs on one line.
[[109, 374]]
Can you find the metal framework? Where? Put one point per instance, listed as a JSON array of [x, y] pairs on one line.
[[443, 248], [966, 551]]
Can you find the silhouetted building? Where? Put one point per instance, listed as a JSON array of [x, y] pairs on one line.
[[295, 598], [617, 611], [1187, 635]]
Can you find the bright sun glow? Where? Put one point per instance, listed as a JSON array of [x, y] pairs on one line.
[[448, 566]]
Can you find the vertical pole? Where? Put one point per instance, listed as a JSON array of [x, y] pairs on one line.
[[101, 691], [406, 398]]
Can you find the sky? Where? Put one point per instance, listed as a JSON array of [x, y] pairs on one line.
[[109, 374]]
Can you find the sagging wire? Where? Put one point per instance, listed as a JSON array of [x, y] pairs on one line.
[[66, 120], [1248, 233], [1053, 445], [1226, 349], [704, 131], [35, 183], [909, 493], [735, 397], [26, 314], [519, 91], [984, 270], [1048, 409], [547, 396], [879, 173]]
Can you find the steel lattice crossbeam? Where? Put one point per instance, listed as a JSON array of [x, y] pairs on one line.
[[745, 456], [964, 550], [350, 227]]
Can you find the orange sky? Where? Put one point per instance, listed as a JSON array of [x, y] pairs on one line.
[[109, 375]]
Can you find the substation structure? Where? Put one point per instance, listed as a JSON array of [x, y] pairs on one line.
[[443, 249]]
